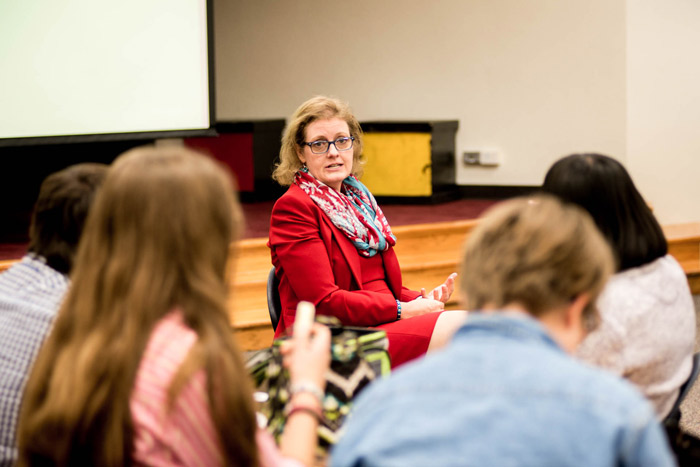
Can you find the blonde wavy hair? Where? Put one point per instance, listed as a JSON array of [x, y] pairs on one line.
[[157, 238], [536, 252], [316, 108]]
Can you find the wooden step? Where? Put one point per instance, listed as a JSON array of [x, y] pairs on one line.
[[6, 263], [428, 253], [684, 245]]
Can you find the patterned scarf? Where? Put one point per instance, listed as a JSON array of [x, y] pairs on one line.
[[355, 212]]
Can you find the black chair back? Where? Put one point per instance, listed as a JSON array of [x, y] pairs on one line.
[[273, 298], [673, 419]]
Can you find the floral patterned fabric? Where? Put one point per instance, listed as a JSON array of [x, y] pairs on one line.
[[354, 211]]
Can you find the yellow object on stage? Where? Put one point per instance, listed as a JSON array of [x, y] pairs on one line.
[[398, 164]]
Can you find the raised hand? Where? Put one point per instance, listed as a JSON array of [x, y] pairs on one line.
[[442, 292]]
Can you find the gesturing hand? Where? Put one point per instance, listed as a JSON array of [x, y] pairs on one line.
[[442, 292]]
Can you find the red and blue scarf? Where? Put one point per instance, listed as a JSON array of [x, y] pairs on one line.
[[354, 211]]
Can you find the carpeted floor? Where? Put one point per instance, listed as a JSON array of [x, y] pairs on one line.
[[12, 250], [257, 215], [257, 218]]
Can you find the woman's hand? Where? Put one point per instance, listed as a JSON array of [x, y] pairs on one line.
[[308, 357], [442, 292], [420, 306]]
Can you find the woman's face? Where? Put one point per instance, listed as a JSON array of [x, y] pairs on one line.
[[333, 166]]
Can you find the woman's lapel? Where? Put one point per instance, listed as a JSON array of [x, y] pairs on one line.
[[352, 257], [393, 271]]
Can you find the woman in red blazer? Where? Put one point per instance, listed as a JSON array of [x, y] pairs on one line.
[[332, 246]]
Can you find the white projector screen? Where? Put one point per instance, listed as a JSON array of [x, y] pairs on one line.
[[99, 67]]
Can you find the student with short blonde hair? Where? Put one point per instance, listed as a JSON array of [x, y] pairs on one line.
[[505, 391], [536, 267]]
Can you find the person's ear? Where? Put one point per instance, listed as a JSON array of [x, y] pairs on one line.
[[574, 328], [574, 311], [300, 155]]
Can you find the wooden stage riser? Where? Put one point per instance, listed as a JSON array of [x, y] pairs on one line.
[[687, 253], [428, 253]]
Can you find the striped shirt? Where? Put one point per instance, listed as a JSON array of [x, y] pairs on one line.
[[185, 435], [30, 295]]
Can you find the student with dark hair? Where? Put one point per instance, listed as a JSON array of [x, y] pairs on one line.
[[602, 186], [504, 391], [32, 289], [647, 332], [60, 212]]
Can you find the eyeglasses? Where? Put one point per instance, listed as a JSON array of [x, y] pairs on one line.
[[321, 147]]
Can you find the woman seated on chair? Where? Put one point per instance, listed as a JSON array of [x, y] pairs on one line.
[[331, 244], [141, 366], [647, 332]]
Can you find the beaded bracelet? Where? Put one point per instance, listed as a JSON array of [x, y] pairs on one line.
[[313, 411], [398, 310], [307, 386]]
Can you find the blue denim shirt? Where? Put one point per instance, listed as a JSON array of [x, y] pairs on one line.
[[503, 393]]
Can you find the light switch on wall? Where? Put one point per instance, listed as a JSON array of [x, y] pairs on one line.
[[483, 157]]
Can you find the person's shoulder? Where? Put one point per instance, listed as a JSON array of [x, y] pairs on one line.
[[33, 268], [606, 393], [389, 403], [293, 196], [669, 267], [418, 379], [664, 266], [643, 288], [170, 340], [294, 201], [613, 405], [31, 282], [293, 192]]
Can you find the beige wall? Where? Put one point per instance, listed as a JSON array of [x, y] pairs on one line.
[[536, 79], [663, 133]]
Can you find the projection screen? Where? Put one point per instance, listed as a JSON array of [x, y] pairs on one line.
[[104, 68]]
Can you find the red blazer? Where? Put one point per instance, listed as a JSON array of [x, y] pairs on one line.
[[316, 262]]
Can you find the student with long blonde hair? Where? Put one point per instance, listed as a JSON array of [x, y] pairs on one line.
[[141, 366]]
